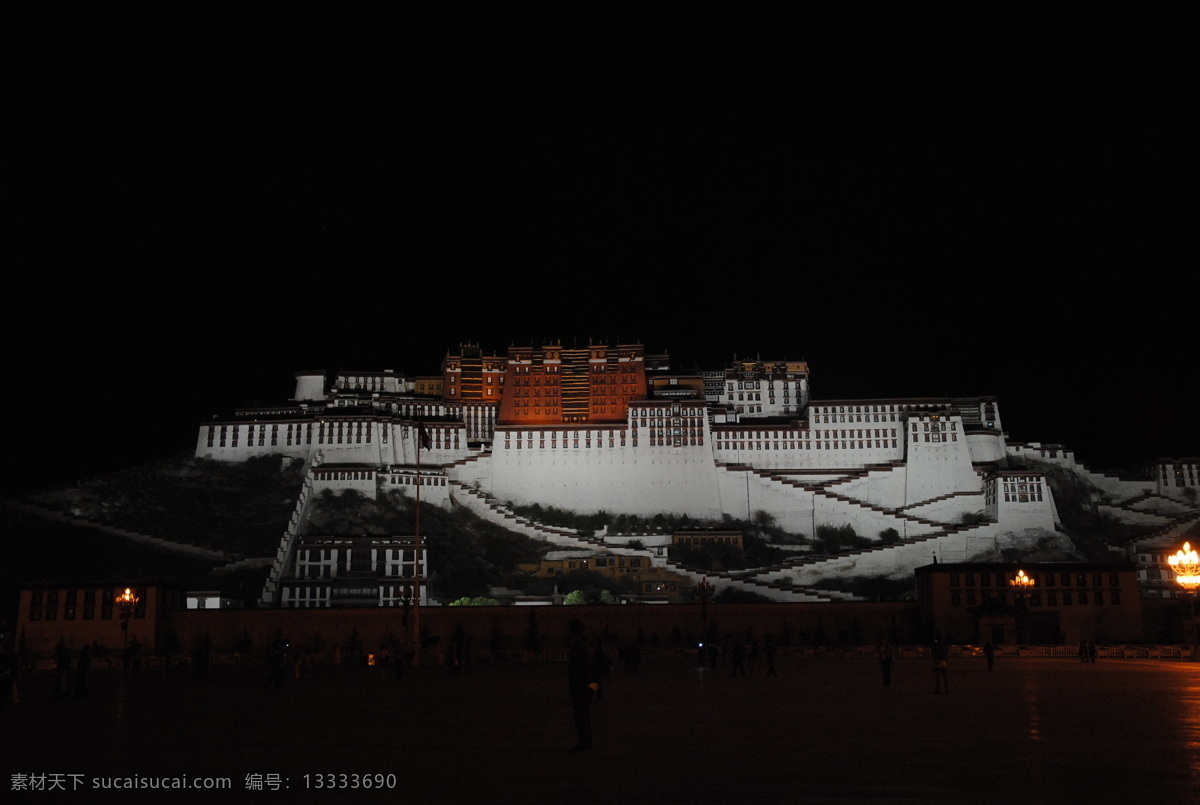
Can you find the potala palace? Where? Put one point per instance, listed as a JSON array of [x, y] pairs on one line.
[[613, 428]]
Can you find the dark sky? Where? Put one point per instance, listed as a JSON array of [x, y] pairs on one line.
[[206, 204]]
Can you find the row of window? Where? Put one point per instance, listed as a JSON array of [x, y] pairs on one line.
[[866, 444], [1046, 579], [587, 442], [412, 480], [1052, 598], [343, 433], [71, 604]]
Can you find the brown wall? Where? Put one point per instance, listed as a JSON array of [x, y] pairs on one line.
[[503, 627], [509, 626]]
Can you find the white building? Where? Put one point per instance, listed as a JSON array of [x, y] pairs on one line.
[[736, 443]]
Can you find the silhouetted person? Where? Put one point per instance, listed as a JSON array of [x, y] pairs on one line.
[[8, 678], [769, 650], [276, 663], [941, 665], [712, 655], [601, 668], [886, 658], [466, 653], [1083, 652], [1091, 651], [82, 670], [989, 653], [752, 650], [582, 685], [633, 657], [738, 654], [62, 664]]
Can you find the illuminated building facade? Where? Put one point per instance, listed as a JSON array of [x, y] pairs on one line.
[[613, 428], [556, 385]]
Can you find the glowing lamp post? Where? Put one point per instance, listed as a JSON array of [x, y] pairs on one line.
[[126, 601], [703, 592], [1021, 584], [1186, 565]]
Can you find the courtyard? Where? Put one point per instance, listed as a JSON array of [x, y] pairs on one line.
[[821, 729]]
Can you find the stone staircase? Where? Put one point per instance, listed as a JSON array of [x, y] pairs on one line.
[[496, 512]]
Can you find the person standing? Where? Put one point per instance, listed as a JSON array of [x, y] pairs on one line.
[[582, 685], [941, 664], [81, 672], [737, 650], [62, 664], [989, 653], [886, 658], [602, 668]]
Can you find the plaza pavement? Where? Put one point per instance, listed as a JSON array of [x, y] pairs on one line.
[[822, 730]]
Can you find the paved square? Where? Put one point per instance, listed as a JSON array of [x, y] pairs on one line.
[[823, 729]]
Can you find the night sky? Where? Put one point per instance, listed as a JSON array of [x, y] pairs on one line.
[[205, 205]]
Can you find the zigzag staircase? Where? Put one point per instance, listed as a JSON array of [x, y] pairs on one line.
[[496, 512]]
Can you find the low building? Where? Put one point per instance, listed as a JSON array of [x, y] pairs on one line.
[[1065, 602], [97, 614], [636, 575], [355, 571], [702, 539]]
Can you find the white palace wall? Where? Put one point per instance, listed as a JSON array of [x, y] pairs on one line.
[[879, 487], [643, 479], [742, 493], [342, 440], [939, 459]]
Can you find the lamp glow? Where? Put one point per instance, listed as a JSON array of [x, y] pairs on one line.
[[1186, 565], [1021, 581]]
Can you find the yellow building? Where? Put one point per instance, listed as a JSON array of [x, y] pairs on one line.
[[636, 573]]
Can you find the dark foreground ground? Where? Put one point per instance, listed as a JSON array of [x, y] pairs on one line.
[[821, 730]]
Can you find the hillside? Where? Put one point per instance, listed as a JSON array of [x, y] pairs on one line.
[[242, 510]]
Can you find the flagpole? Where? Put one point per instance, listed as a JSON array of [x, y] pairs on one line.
[[417, 553]]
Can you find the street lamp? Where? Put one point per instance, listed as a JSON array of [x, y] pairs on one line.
[[703, 592], [1186, 564], [1021, 584], [126, 601]]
